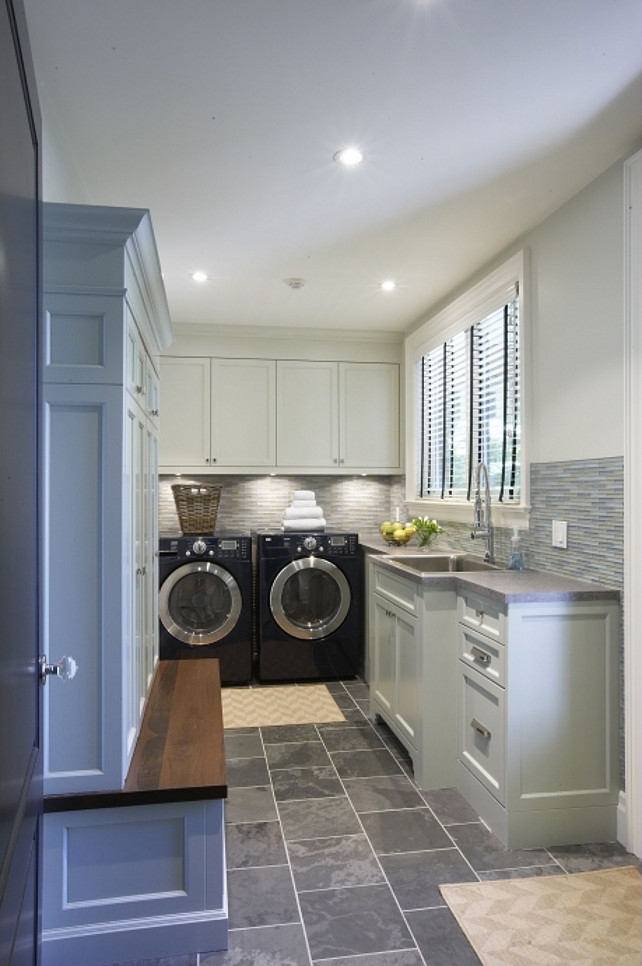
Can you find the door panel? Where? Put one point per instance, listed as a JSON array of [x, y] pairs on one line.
[[20, 770]]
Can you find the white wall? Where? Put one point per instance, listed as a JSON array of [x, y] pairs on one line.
[[577, 326], [575, 260]]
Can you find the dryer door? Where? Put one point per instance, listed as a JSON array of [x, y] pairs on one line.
[[199, 603], [310, 598]]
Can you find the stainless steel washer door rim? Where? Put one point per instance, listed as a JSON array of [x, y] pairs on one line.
[[199, 603], [315, 617]]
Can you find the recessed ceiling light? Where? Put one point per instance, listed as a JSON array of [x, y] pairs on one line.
[[388, 286], [200, 276], [348, 157]]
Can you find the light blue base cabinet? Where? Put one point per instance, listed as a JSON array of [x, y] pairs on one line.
[[138, 882]]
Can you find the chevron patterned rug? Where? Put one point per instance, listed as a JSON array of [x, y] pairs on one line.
[[279, 705], [587, 918]]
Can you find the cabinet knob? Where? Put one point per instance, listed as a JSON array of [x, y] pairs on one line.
[[154, 412], [140, 390]]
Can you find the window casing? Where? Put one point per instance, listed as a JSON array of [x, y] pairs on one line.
[[466, 400]]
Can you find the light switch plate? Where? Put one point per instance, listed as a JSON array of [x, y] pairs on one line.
[[560, 532]]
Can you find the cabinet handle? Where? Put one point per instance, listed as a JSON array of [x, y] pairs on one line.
[[140, 390], [479, 614], [153, 412], [479, 728], [479, 655]]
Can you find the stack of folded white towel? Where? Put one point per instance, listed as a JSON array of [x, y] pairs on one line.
[[303, 513]]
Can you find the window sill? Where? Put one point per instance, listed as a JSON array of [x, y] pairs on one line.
[[452, 512]]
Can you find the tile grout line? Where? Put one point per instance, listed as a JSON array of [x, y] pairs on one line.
[[285, 846], [376, 857]]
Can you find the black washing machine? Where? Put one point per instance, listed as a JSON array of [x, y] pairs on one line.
[[205, 602], [309, 606]]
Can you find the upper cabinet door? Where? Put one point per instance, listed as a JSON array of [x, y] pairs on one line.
[[369, 415], [243, 412], [185, 425], [307, 414]]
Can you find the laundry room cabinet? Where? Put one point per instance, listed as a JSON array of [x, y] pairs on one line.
[[338, 415], [537, 736], [218, 414], [259, 415], [412, 669], [105, 322]]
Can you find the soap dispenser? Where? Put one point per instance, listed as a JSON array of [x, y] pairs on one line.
[[516, 559]]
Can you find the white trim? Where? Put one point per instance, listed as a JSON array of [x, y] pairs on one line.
[[633, 504], [436, 329]]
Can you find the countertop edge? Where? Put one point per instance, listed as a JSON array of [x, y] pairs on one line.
[[505, 586]]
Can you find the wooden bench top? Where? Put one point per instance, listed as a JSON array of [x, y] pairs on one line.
[[179, 754]]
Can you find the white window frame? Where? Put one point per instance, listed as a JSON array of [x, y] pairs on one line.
[[468, 308]]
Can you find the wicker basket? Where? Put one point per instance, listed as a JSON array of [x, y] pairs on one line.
[[197, 506]]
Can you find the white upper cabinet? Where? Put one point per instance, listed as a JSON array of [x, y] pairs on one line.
[[245, 415], [217, 414], [307, 414], [369, 430], [185, 432], [341, 416], [243, 411]]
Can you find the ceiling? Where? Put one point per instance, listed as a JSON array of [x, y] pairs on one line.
[[478, 118]]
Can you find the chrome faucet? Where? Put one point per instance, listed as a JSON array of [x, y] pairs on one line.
[[482, 523]]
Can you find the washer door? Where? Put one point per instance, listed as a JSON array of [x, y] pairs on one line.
[[310, 598], [199, 603]]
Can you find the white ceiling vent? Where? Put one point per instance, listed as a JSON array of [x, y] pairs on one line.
[[294, 282]]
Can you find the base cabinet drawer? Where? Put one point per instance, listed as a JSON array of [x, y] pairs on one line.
[[482, 730]]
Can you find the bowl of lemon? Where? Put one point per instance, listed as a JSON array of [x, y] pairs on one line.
[[397, 533]]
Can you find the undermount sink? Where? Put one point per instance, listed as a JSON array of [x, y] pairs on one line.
[[436, 563]]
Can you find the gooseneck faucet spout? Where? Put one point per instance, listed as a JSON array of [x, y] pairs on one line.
[[482, 523]]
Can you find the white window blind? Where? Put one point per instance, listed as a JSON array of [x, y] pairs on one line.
[[468, 407]]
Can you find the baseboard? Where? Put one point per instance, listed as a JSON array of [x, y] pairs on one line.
[[133, 940]]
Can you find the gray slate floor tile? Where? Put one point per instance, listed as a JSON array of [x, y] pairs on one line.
[[264, 946], [485, 852], [254, 843], [278, 734], [344, 922], [440, 939], [317, 818], [247, 745], [333, 863], [252, 804], [243, 772], [409, 830], [302, 783], [302, 754], [415, 877], [590, 858], [365, 764], [383, 793], [261, 897]]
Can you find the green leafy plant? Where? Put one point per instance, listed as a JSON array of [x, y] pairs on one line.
[[426, 529]]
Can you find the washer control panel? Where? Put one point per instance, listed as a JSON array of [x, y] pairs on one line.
[[215, 548]]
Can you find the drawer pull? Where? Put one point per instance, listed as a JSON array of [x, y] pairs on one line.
[[478, 655], [479, 728]]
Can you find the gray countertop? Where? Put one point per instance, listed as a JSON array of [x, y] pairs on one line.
[[507, 586]]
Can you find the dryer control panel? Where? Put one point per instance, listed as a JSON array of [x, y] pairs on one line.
[[214, 548]]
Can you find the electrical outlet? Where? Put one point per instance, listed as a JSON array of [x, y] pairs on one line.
[[559, 536]]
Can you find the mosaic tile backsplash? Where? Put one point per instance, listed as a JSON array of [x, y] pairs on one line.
[[587, 494]]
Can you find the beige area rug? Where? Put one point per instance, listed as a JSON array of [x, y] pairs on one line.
[[587, 918], [279, 705]]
